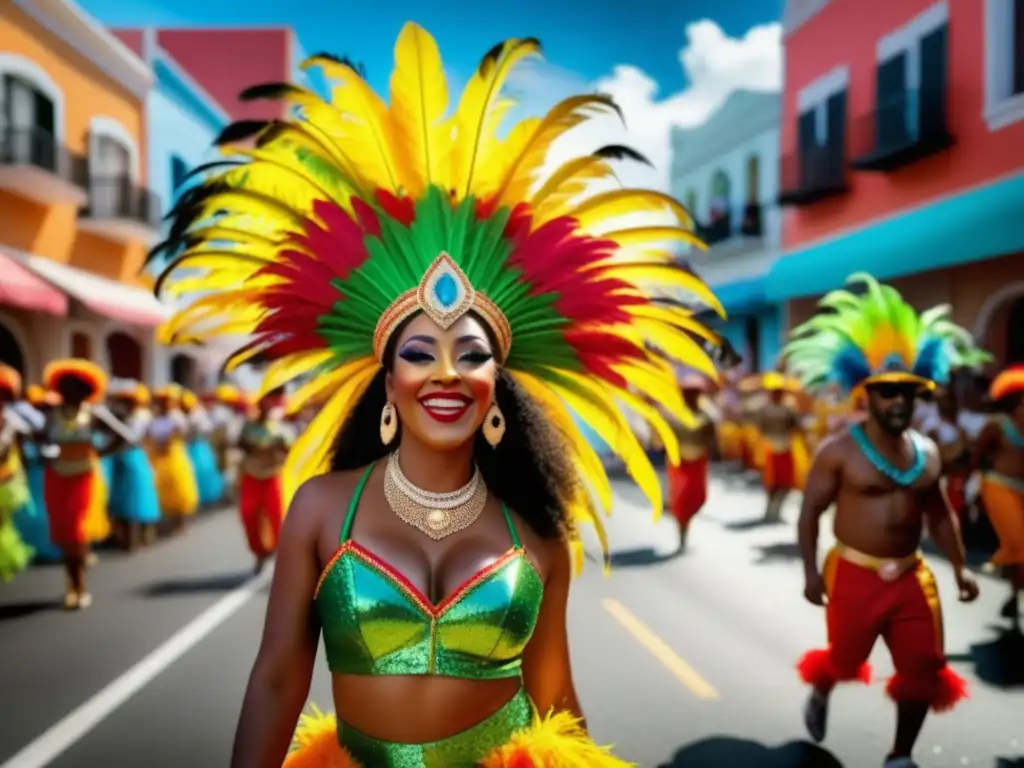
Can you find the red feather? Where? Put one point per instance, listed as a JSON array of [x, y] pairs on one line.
[[401, 209]]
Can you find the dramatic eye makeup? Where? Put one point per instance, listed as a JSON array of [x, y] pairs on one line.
[[417, 349], [474, 350]]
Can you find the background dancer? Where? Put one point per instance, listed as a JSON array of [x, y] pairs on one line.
[[73, 485], [1001, 445], [209, 478], [943, 428], [15, 554], [33, 523], [884, 482], [264, 442], [688, 478], [134, 504], [175, 478], [782, 448]]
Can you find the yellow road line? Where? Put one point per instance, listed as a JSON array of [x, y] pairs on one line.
[[660, 650]]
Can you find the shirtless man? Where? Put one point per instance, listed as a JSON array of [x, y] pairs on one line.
[[688, 481], [884, 482], [779, 425], [1001, 446]]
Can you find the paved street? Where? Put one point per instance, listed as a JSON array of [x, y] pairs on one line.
[[679, 661]]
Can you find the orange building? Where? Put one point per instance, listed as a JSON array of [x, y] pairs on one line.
[[76, 217], [902, 145]]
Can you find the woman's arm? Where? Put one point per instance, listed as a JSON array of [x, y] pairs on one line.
[[280, 678], [547, 669]]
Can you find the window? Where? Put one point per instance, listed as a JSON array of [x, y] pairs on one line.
[[28, 114], [691, 202], [1004, 62]]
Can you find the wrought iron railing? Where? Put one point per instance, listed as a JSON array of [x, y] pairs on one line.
[[41, 149]]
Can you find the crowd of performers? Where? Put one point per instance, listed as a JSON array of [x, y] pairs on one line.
[[865, 419], [86, 460]]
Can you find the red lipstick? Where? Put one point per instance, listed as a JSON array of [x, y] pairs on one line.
[[446, 407]]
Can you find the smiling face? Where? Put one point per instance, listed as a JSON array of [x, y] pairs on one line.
[[442, 382]]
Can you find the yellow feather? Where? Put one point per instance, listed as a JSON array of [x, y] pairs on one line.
[[564, 116], [665, 277], [480, 110], [287, 187], [675, 316], [602, 415], [240, 202], [310, 456], [567, 182], [653, 417], [286, 369], [604, 208], [319, 387], [677, 345], [367, 138], [634, 236], [306, 162], [419, 101]]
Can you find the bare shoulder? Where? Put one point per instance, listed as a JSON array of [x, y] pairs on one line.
[[317, 499], [546, 554], [835, 449]]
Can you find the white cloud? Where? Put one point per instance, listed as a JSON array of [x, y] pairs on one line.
[[715, 65]]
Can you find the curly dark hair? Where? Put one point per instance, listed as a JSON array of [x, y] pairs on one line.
[[529, 470]]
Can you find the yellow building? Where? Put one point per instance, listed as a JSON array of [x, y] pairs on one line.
[[76, 216]]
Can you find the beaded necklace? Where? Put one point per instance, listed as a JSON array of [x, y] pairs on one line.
[[902, 477], [1013, 434]]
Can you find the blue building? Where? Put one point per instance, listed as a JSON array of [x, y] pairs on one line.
[[725, 171]]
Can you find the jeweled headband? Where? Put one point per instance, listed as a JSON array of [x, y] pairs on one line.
[[444, 295]]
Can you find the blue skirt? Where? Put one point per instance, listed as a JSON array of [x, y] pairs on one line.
[[132, 487], [31, 520], [208, 476]]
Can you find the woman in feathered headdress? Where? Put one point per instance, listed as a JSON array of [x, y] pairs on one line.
[[15, 555], [166, 441], [134, 504], [884, 480], [31, 520], [73, 483], [1001, 446], [450, 301]]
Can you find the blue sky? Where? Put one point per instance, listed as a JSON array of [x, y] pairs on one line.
[[630, 49]]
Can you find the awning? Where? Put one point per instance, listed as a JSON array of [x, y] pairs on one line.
[[106, 297], [19, 287], [981, 224], [742, 295]]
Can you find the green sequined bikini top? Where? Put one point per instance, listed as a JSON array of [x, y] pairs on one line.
[[376, 622]]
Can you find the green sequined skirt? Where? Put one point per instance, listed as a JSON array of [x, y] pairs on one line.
[[462, 750]]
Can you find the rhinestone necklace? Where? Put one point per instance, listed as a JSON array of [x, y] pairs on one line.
[[436, 514]]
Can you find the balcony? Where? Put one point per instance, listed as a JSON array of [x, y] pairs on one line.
[[35, 166], [733, 230], [904, 129], [812, 174], [119, 210]]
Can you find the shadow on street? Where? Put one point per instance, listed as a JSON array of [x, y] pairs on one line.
[[773, 553], [11, 611], [224, 582], [634, 558], [1010, 762], [753, 523], [999, 662], [730, 752]]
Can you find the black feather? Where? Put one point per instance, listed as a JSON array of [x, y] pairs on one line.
[[240, 130], [199, 170], [356, 67], [267, 91], [609, 100], [622, 152], [491, 57]]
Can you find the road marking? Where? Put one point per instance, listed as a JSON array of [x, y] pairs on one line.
[[658, 648], [62, 735]]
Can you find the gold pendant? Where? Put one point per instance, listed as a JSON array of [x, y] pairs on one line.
[[438, 519]]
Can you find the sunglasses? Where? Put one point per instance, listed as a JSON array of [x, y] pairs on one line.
[[896, 391]]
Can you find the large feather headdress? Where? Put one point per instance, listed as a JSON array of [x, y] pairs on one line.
[[343, 221], [877, 337]]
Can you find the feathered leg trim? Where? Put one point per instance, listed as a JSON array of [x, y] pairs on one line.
[[941, 691], [316, 744], [818, 669], [556, 741]]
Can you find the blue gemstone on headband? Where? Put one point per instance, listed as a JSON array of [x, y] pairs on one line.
[[446, 290]]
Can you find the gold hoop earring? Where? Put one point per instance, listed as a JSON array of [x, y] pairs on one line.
[[494, 425], [388, 424]]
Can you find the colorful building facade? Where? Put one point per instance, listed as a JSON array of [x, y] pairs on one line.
[[902, 143], [725, 171], [77, 214]]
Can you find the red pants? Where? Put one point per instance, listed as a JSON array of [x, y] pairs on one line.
[[687, 488], [261, 503], [779, 472], [955, 487], [905, 613]]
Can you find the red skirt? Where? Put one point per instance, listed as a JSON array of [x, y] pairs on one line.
[[71, 504], [687, 488], [261, 504]]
